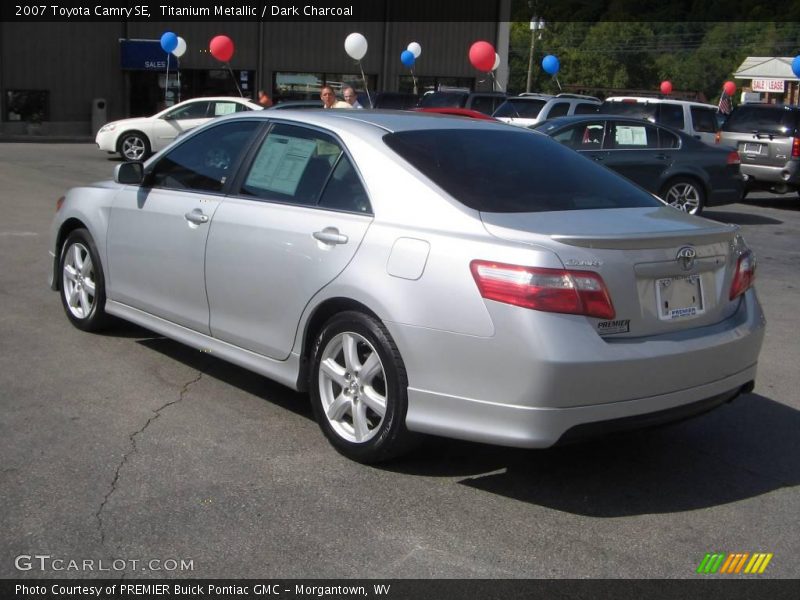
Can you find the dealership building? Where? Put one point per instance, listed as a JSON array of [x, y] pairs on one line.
[[67, 78]]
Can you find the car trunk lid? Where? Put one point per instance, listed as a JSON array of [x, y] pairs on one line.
[[665, 271]]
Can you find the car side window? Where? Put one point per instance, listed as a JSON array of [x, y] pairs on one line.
[[344, 190], [558, 109], [704, 119], [667, 139], [195, 110], [219, 108], [583, 136], [292, 165], [204, 161], [671, 115], [632, 136]]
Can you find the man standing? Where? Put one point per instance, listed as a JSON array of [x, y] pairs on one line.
[[329, 99], [350, 96]]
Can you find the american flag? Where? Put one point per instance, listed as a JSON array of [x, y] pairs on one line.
[[725, 106]]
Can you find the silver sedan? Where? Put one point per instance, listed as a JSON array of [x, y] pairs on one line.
[[418, 274]]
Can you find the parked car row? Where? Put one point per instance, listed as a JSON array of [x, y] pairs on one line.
[[422, 274]]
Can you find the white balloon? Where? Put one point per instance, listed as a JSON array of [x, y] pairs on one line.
[[180, 48], [496, 61], [356, 46], [415, 49]]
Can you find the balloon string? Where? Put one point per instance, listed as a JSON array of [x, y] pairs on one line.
[[366, 87], [236, 83], [178, 73], [558, 82], [414, 77], [494, 82]]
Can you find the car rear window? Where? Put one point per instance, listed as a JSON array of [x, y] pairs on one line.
[[510, 171], [763, 119], [522, 109]]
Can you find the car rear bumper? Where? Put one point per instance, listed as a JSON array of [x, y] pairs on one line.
[[530, 427], [787, 174], [530, 383]]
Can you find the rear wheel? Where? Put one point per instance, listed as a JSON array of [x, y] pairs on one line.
[[83, 292], [359, 389], [684, 194], [134, 145]]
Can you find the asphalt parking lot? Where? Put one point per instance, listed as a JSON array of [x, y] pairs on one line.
[[130, 447]]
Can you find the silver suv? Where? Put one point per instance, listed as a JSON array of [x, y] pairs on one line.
[[767, 137], [695, 118], [529, 108]]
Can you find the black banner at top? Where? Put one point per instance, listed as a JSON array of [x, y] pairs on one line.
[[397, 10]]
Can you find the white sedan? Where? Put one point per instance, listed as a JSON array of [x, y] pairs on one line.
[[137, 138]]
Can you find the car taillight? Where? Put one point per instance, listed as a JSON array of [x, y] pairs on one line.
[[59, 203], [718, 137], [734, 158], [549, 290], [796, 147], [745, 274]]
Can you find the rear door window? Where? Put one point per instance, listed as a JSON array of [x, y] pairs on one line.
[[292, 165], [558, 109], [582, 136], [633, 136]]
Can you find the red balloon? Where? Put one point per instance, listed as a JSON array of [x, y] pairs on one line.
[[666, 87], [481, 55], [729, 88], [221, 48]]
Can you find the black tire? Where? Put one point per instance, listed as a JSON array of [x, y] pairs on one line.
[[82, 290], [134, 146], [685, 194], [383, 436]]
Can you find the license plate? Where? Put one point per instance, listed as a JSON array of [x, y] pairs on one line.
[[679, 297], [753, 148]]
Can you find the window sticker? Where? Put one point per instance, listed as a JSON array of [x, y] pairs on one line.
[[280, 164]]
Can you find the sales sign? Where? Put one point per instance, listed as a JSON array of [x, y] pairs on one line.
[[768, 85]]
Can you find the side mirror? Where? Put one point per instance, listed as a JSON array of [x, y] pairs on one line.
[[129, 173]]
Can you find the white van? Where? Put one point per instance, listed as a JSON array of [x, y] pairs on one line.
[[695, 118]]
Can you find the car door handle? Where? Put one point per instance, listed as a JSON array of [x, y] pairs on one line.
[[597, 158], [330, 235], [196, 216], [661, 157]]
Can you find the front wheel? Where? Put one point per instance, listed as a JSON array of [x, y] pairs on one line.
[[684, 194], [359, 389], [83, 291]]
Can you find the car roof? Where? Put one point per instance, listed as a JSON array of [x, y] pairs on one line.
[[390, 121], [652, 100]]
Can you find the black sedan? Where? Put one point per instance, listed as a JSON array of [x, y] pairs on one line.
[[684, 172]]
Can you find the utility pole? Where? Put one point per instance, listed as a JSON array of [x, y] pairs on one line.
[[537, 25]]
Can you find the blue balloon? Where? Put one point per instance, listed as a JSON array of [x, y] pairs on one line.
[[796, 66], [169, 41], [407, 58], [550, 64]]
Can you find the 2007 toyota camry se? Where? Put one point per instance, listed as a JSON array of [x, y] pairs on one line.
[[418, 274]]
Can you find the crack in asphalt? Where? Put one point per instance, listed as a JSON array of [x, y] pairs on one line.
[[132, 437]]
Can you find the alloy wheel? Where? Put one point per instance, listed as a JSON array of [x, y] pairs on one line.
[[78, 281], [352, 387]]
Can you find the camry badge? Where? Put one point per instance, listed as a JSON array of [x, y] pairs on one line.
[[686, 256]]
